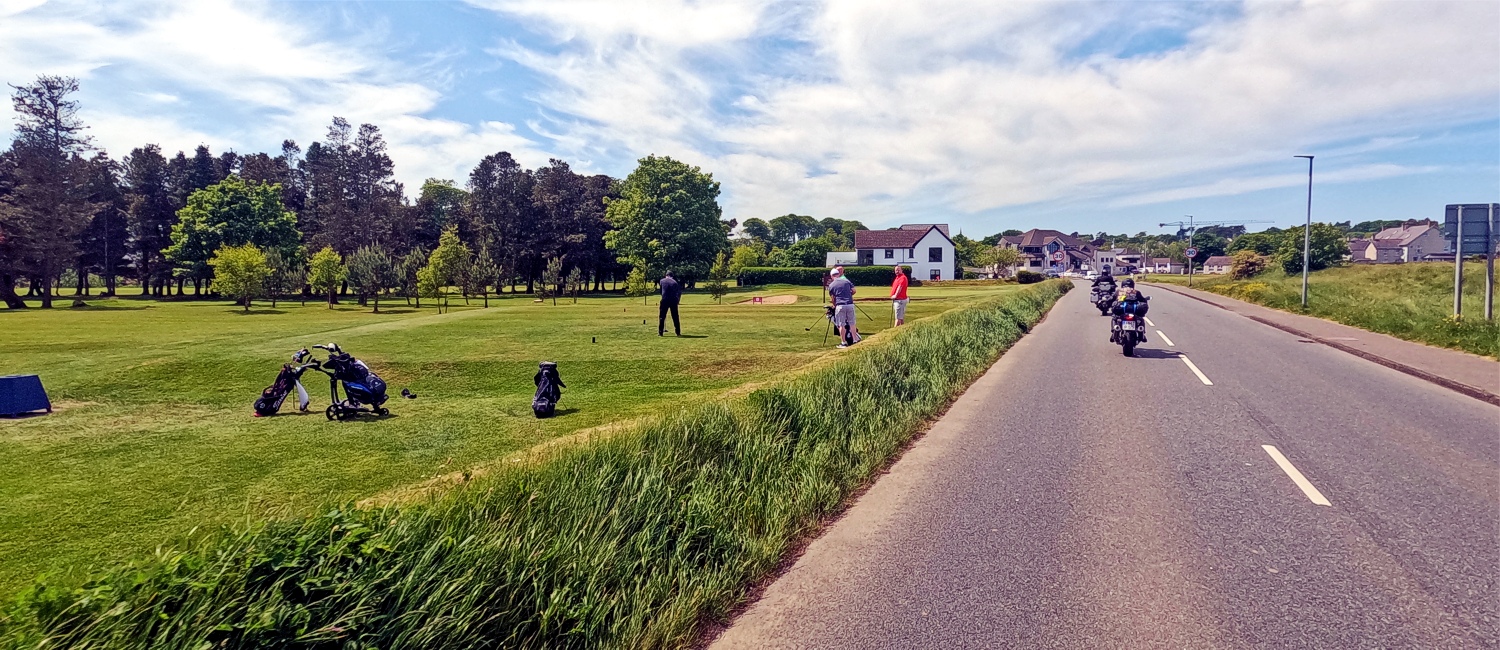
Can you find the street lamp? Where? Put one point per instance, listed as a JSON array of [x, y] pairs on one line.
[[1307, 231]]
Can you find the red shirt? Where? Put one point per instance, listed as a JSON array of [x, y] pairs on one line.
[[898, 287]]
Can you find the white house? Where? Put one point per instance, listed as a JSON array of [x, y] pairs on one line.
[[1409, 242], [1218, 264], [841, 258], [925, 247]]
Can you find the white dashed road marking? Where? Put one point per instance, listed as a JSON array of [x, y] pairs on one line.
[[1286, 466], [1148, 321], [1164, 338], [1195, 370]]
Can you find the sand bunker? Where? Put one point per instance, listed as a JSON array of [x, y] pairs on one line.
[[786, 299]]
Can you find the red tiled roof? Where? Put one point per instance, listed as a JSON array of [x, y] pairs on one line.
[[902, 237]]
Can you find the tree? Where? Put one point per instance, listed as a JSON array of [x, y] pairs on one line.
[[326, 272], [1327, 248], [151, 211], [46, 203], [716, 277], [504, 212], [1262, 243], [353, 199], [789, 229], [440, 205], [483, 273], [429, 285], [968, 252], [1208, 245], [552, 279], [230, 213], [411, 265], [240, 272], [446, 264], [746, 255], [371, 271], [1246, 264], [636, 284], [667, 217], [808, 253], [756, 229], [575, 278], [102, 244], [1005, 259]]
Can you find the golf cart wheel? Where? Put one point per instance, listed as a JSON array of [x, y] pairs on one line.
[[333, 412], [383, 412]]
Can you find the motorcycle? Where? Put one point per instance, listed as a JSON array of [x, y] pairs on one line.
[[1103, 297], [1126, 328]]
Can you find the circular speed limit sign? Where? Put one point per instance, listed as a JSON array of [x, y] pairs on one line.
[[1057, 257], [1192, 252]]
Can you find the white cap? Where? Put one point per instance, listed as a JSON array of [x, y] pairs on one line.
[[834, 273]]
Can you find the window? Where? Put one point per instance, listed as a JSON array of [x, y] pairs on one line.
[[935, 254], [889, 253], [936, 274]]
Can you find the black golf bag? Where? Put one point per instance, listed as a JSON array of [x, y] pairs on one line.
[[549, 387], [287, 380]]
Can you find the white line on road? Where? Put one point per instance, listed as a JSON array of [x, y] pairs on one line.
[[1164, 338], [1148, 322], [1194, 368], [1286, 466]]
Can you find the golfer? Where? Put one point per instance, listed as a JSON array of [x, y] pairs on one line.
[[841, 291], [898, 296], [671, 294]]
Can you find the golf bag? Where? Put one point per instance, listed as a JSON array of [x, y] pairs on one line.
[[286, 381], [361, 386], [549, 387]]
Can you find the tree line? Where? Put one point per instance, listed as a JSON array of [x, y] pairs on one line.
[[257, 224]]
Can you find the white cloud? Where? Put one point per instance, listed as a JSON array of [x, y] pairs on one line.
[[235, 76], [968, 105]]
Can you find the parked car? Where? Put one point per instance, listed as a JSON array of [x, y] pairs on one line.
[[1091, 275]]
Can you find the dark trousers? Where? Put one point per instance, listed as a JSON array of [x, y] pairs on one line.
[[661, 319]]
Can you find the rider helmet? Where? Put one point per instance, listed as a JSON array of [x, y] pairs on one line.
[[1128, 283]]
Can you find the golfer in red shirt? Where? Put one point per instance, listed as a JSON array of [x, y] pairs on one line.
[[898, 296]]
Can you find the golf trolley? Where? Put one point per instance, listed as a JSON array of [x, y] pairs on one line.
[[364, 392]]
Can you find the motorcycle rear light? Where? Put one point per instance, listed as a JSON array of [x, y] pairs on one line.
[[1129, 317]]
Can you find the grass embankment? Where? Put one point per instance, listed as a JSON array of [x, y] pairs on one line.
[[1409, 301], [153, 435], [628, 541]]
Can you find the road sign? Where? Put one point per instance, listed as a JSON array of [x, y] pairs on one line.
[[1192, 252], [1057, 257], [1479, 233]]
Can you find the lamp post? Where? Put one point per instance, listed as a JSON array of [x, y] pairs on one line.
[[1307, 231]]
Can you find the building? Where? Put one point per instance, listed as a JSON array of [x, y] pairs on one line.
[[1166, 265], [1412, 241], [925, 247], [1050, 249], [841, 258], [1218, 264]]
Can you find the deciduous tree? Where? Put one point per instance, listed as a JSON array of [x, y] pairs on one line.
[[1327, 248], [326, 272], [230, 213], [240, 272], [667, 217]]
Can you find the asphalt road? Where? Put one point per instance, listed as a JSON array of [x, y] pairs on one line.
[[1076, 498]]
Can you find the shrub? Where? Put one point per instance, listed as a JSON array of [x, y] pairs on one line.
[[628, 541], [1029, 277], [1245, 264], [812, 276]]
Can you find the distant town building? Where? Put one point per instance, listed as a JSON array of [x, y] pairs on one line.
[[1218, 264], [1410, 242], [1051, 249], [925, 247]]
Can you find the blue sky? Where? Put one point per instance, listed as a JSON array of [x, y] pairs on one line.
[[987, 115]]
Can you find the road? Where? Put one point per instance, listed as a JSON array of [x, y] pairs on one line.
[[1076, 498]]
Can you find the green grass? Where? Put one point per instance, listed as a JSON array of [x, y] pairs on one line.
[[153, 435], [632, 540], [1409, 301]]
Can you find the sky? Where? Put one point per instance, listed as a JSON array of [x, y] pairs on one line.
[[1078, 116]]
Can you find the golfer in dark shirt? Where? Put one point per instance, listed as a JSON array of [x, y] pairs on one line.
[[671, 294]]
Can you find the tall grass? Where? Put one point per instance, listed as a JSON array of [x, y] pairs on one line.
[[630, 541], [1410, 301]]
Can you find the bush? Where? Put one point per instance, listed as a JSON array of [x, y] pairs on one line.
[[812, 276], [628, 541], [1245, 264], [1029, 277]]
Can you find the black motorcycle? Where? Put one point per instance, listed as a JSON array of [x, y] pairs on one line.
[[1128, 327], [1103, 298]]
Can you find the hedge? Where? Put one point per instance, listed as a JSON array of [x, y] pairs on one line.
[[635, 540], [807, 276]]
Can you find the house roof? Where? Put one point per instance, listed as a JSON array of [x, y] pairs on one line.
[[1218, 260], [924, 227], [1040, 237], [1358, 245], [1388, 244], [1403, 235], [903, 237], [1158, 261]]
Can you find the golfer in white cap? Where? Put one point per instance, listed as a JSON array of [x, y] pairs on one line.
[[841, 291]]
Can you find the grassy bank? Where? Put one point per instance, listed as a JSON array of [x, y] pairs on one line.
[[628, 541], [153, 434], [1409, 301]]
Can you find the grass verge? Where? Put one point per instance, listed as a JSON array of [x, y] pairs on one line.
[[1408, 301], [629, 541]]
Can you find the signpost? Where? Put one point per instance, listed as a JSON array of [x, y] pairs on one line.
[[1472, 229], [1192, 252]]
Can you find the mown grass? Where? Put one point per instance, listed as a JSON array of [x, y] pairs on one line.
[[632, 540], [153, 435], [1409, 301]]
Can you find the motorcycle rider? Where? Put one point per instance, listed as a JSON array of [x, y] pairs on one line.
[[1104, 278], [1133, 300]]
